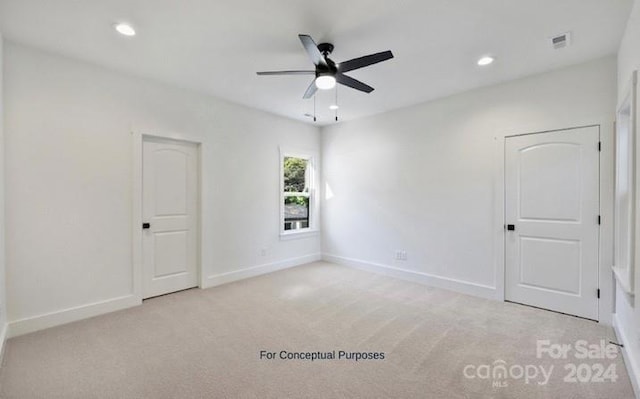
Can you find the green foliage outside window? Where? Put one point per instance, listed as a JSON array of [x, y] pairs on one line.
[[303, 201], [294, 175]]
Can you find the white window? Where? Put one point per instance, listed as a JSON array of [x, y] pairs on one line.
[[298, 203], [624, 256]]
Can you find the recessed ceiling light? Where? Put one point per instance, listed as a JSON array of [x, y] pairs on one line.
[[486, 60], [124, 29], [333, 107]]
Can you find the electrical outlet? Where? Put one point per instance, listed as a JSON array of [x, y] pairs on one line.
[[263, 251], [400, 255]]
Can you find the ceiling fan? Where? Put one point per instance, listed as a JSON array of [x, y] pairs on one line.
[[327, 72]]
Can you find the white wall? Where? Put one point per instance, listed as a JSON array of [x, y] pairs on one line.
[[423, 179], [3, 303], [69, 184], [629, 52], [627, 317], [416, 179]]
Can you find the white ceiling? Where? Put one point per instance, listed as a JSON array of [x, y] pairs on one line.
[[216, 46]]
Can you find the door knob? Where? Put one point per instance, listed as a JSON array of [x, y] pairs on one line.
[[146, 225], [511, 227]]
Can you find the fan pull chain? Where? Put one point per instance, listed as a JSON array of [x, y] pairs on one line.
[[336, 103], [314, 108]]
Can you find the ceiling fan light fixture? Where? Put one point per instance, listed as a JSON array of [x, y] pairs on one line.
[[325, 82], [333, 107]]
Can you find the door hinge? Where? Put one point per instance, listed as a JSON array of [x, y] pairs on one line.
[[599, 145], [599, 220], [598, 293]]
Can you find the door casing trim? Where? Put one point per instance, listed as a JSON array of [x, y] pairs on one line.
[[605, 247], [137, 215]]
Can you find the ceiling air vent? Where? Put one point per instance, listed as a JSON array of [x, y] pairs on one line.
[[561, 41]]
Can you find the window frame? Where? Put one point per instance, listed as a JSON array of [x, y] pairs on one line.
[[312, 162], [625, 230]]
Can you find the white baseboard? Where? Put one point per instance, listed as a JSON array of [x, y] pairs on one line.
[[40, 322], [3, 341], [224, 278], [64, 316], [632, 363], [464, 287]]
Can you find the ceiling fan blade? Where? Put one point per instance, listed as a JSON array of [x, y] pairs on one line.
[[312, 49], [279, 73], [311, 90], [362, 62], [353, 83]]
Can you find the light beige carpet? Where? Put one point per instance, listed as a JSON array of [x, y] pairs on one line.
[[206, 344]]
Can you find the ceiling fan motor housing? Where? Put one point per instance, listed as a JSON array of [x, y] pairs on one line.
[[325, 48], [330, 69]]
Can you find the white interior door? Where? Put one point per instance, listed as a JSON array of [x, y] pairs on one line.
[[552, 232], [170, 215]]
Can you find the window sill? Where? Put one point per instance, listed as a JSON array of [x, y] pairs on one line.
[[622, 280], [294, 235]]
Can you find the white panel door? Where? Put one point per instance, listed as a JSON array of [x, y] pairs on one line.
[[170, 215], [552, 232]]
